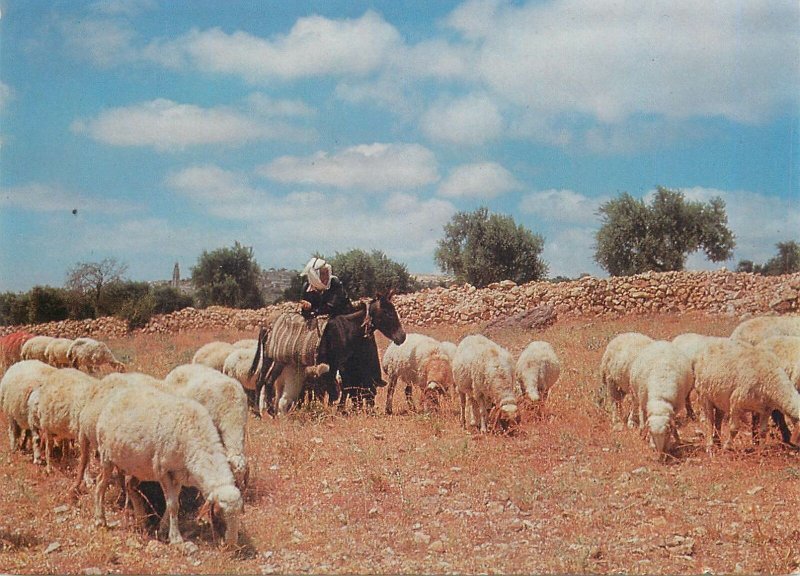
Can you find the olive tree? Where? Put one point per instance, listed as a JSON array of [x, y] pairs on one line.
[[228, 277]]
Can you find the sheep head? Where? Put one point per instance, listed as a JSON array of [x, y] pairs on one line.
[[227, 501]]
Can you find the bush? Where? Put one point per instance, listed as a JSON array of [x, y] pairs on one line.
[[13, 309], [228, 277], [46, 304], [167, 299], [137, 312]]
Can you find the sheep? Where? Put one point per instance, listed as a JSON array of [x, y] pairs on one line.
[[448, 348], [56, 352], [89, 354], [11, 348], [536, 370], [755, 330], [418, 361], [155, 436], [16, 387], [787, 349], [290, 383], [692, 344], [226, 403], [213, 354], [661, 376], [247, 343], [484, 372], [34, 348], [59, 402], [615, 370], [732, 378], [237, 366]]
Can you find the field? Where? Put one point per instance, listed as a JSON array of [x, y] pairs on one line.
[[414, 493]]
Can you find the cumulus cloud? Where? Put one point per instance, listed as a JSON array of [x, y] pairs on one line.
[[170, 126], [38, 197], [480, 180], [103, 41], [472, 120], [367, 167]]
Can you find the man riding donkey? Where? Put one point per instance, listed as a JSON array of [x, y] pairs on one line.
[[330, 334]]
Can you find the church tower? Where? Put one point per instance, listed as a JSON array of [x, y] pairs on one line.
[[176, 276]]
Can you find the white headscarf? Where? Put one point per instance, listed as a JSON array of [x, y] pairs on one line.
[[312, 272]]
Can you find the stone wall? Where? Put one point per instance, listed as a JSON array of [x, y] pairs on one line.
[[718, 292]]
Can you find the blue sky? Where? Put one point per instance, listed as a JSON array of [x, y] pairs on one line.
[[299, 127]]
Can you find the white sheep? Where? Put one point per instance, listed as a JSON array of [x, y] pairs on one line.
[[59, 401], [537, 369], [755, 330], [662, 377], [213, 354], [484, 373], [226, 403], [615, 368], [732, 378], [88, 354], [56, 352], [16, 387], [35, 348], [787, 349], [155, 436], [291, 382], [237, 366], [248, 343], [692, 344], [419, 361], [448, 348]]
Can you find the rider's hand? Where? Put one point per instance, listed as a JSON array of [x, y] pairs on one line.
[[305, 305]]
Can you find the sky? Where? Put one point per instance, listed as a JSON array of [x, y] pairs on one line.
[[150, 131]]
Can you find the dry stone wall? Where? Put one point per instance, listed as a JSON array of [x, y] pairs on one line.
[[717, 292]]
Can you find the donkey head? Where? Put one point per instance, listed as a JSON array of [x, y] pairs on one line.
[[385, 318]]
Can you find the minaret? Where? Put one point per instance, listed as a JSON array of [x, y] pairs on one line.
[[176, 276]]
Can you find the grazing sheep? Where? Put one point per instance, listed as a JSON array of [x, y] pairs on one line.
[[692, 344], [88, 354], [248, 343], [34, 348], [536, 371], [213, 354], [226, 403], [155, 436], [11, 348], [732, 378], [56, 352], [448, 348], [237, 366], [484, 373], [418, 361], [60, 400], [290, 383], [787, 349], [755, 330], [615, 370], [662, 377], [16, 387]]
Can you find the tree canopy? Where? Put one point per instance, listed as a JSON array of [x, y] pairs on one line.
[[93, 278], [228, 277], [786, 261], [636, 237], [366, 274], [481, 248]]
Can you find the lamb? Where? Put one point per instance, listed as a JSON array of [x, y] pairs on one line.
[[661, 376], [56, 352], [213, 354], [155, 436], [732, 378], [34, 349], [11, 348], [226, 403], [755, 330], [418, 361], [537, 369], [484, 372], [448, 348], [615, 369], [787, 349], [237, 366], [89, 354], [58, 403], [16, 387]]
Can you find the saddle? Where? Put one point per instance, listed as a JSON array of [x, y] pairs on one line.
[[295, 339]]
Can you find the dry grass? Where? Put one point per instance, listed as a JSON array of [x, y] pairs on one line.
[[413, 493]]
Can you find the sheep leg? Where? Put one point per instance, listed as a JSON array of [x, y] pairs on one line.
[[172, 491], [410, 397], [292, 378], [48, 448], [480, 408], [734, 420], [100, 492], [14, 432], [390, 392], [36, 446], [780, 422], [84, 461], [463, 398]]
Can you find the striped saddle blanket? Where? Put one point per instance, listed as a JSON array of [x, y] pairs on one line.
[[294, 338]]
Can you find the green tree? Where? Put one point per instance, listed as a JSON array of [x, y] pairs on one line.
[[13, 308], [167, 299], [636, 237], [46, 304], [92, 278], [787, 261], [228, 277], [366, 274], [481, 248]]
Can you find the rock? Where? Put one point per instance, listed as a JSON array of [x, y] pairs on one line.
[[421, 538], [436, 546], [92, 571], [52, 547]]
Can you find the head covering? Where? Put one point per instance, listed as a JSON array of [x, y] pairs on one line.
[[312, 272]]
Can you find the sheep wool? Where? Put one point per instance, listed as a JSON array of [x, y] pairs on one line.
[[16, 387], [213, 354], [537, 369], [787, 349], [755, 330], [615, 370]]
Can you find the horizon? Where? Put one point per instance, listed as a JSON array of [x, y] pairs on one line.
[[150, 131]]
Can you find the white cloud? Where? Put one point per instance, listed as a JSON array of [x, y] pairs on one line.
[[38, 197], [123, 7], [314, 46], [104, 42], [569, 251], [480, 180], [5, 96], [170, 126], [562, 206], [472, 120], [368, 167]]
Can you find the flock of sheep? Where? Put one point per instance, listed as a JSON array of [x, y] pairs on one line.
[[189, 428]]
